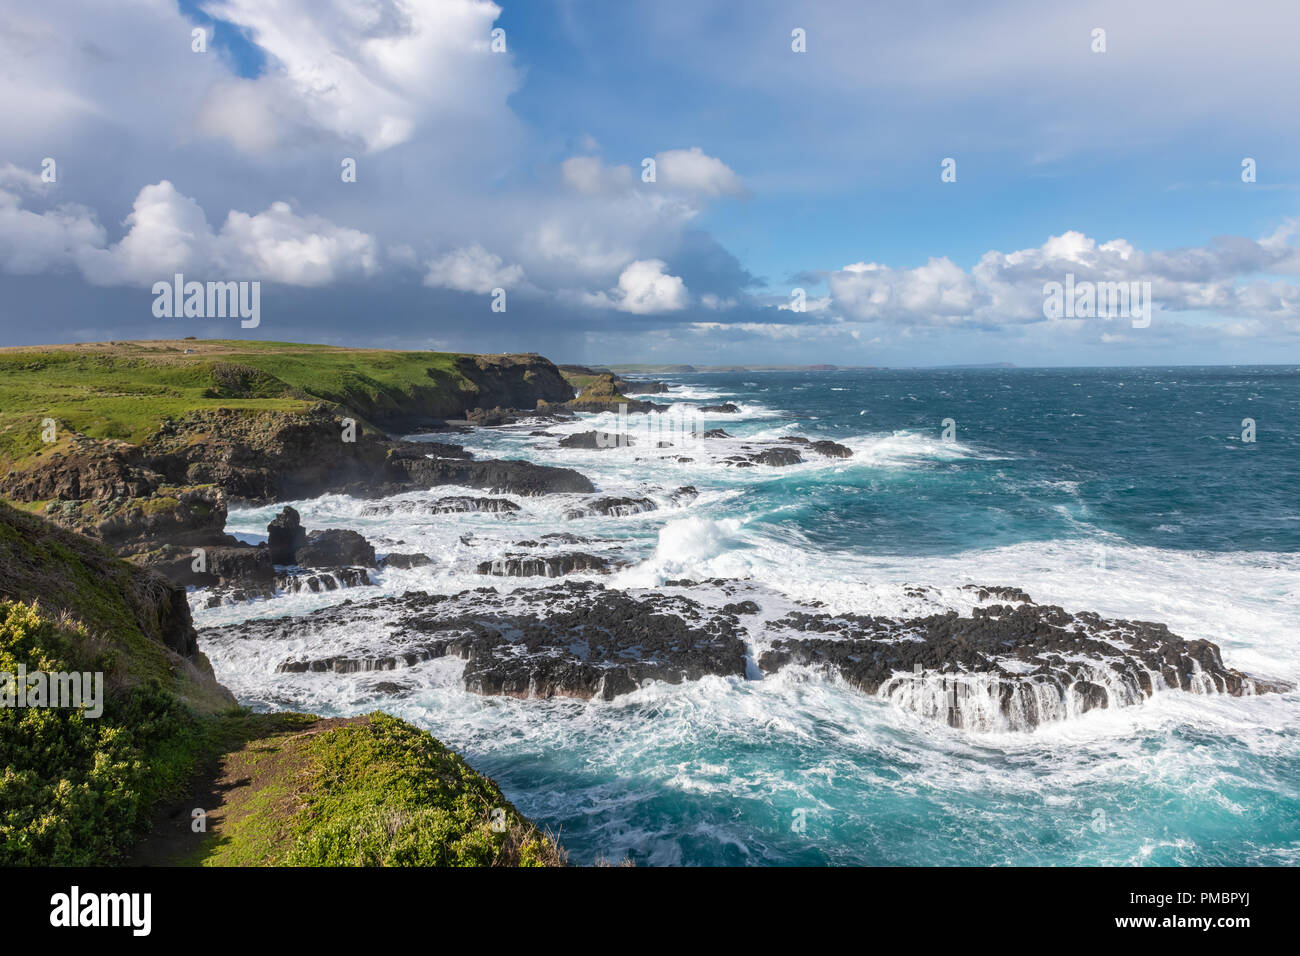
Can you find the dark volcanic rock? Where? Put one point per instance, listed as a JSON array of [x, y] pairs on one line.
[[423, 449], [294, 583], [455, 504], [636, 386], [984, 592], [490, 417], [1004, 667], [496, 477], [832, 449], [544, 565], [727, 408], [572, 640], [594, 439], [356, 665], [776, 457], [405, 561], [239, 563], [336, 547], [1001, 667], [615, 507], [715, 433], [213, 565], [285, 535]]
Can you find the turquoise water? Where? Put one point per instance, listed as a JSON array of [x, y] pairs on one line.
[[1125, 491]]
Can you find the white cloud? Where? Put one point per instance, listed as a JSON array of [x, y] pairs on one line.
[[590, 176], [32, 242], [691, 170], [168, 232], [371, 71], [472, 269], [643, 289], [1224, 277]]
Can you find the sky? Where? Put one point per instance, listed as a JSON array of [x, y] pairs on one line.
[[686, 181]]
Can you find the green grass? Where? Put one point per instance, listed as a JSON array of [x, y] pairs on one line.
[[125, 391], [373, 792], [74, 576], [77, 790]]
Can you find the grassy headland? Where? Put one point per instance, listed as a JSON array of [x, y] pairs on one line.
[[280, 788], [124, 391], [149, 437]]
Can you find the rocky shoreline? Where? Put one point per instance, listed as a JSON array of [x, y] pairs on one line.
[[1000, 667], [1005, 663]]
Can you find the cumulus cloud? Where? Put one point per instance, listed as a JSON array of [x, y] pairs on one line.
[[1230, 276], [590, 176], [644, 288], [690, 172], [370, 71], [168, 232], [472, 269]]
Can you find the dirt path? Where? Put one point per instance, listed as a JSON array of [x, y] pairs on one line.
[[260, 761]]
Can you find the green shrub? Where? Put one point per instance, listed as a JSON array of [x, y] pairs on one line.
[[77, 790], [384, 793]]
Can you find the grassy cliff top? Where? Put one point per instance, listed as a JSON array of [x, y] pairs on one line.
[[129, 615], [80, 789], [125, 390], [298, 790]]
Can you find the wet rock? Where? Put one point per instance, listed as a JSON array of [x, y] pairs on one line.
[[727, 408], [1005, 667], [775, 457], [336, 547], [561, 537], [636, 386], [454, 504], [495, 477], [984, 592], [574, 640], [355, 665], [314, 581], [404, 561], [285, 535], [491, 417], [832, 449], [612, 507], [544, 565], [715, 433], [597, 440]]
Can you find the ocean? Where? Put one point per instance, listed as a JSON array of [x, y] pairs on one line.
[[1128, 492]]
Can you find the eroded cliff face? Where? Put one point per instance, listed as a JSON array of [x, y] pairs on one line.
[[475, 382], [137, 612], [157, 499]]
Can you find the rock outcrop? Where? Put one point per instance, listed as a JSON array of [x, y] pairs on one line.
[[1005, 667], [544, 565]]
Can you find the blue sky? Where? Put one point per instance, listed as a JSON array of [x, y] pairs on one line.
[[521, 171]]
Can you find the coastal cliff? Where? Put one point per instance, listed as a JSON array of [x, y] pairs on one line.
[[170, 746], [143, 445]]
